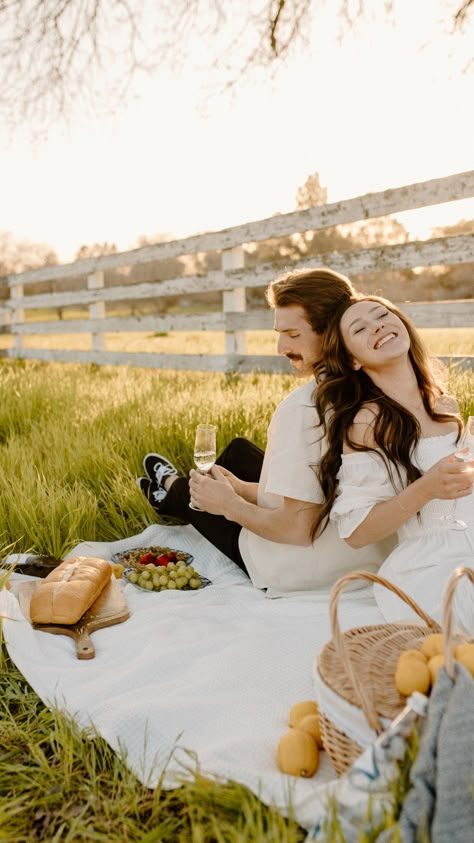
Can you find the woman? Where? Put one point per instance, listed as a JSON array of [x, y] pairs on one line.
[[397, 432]]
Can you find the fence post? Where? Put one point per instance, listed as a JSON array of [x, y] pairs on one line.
[[234, 301], [18, 318], [95, 281]]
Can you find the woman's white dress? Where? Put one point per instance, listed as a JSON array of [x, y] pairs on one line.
[[428, 550]]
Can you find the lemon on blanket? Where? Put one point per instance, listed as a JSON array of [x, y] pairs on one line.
[[298, 754], [300, 710], [310, 724]]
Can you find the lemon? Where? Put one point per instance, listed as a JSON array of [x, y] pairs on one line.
[[434, 665], [310, 724], [413, 654], [433, 645], [465, 655], [300, 710], [117, 569], [298, 754], [412, 675]]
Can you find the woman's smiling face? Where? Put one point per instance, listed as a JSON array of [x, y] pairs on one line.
[[373, 335]]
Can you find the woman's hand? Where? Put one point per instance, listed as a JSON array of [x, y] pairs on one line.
[[213, 492], [449, 479]]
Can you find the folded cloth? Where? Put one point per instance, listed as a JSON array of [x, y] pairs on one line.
[[441, 803]]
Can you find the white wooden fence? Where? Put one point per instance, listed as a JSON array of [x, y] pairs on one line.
[[233, 280]]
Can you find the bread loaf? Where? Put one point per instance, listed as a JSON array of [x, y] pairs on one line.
[[68, 591]]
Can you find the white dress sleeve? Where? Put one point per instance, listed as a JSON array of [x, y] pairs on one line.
[[363, 482]]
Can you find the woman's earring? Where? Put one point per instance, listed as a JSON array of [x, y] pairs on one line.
[[356, 366]]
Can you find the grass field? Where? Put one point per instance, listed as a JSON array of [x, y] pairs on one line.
[[71, 443]]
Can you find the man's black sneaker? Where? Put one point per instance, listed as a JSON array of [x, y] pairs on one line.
[[158, 468], [153, 493]]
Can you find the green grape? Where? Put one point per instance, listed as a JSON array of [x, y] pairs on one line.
[[161, 569], [148, 585], [172, 566], [181, 582], [164, 580], [156, 580], [133, 577], [145, 575], [150, 566], [171, 584], [173, 575], [195, 582]]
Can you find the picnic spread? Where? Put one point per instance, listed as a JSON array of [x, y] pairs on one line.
[[198, 671], [194, 679]]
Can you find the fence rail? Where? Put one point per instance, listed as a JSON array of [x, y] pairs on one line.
[[232, 280]]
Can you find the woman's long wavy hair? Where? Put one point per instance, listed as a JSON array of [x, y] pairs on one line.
[[342, 391]]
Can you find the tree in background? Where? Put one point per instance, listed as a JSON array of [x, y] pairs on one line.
[[20, 255], [95, 251], [60, 56]]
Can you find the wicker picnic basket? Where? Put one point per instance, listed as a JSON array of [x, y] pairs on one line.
[[448, 608], [359, 667]]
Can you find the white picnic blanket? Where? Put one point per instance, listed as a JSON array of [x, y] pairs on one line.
[[193, 680]]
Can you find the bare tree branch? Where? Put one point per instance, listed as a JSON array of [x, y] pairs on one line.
[[59, 57], [462, 13]]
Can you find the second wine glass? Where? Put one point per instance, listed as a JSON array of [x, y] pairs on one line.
[[464, 453], [204, 451]]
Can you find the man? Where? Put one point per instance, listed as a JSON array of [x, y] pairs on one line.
[[260, 507]]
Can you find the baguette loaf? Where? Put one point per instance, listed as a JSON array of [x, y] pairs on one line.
[[68, 591]]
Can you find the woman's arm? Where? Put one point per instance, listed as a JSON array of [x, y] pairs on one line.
[[445, 480], [289, 523]]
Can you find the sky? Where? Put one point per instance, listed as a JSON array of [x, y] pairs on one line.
[[390, 104]]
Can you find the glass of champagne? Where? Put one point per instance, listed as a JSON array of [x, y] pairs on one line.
[[464, 453], [204, 451]]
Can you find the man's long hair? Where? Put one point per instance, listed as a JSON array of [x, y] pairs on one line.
[[342, 391], [320, 292]]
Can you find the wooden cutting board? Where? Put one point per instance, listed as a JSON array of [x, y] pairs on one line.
[[109, 608]]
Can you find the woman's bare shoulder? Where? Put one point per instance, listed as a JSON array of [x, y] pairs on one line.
[[362, 430]]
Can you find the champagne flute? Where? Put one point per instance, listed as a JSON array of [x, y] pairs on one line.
[[204, 451], [464, 453]]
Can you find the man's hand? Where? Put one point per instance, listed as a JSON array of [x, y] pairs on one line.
[[213, 492], [289, 523]]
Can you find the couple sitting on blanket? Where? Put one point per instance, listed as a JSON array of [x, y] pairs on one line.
[[362, 451]]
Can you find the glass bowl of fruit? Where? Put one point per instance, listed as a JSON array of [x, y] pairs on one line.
[[160, 569]]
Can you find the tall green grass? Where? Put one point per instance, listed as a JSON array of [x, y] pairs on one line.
[[72, 440]]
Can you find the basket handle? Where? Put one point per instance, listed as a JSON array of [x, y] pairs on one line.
[[448, 616], [372, 717]]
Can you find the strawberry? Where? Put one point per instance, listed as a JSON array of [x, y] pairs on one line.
[[164, 559], [147, 558]]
